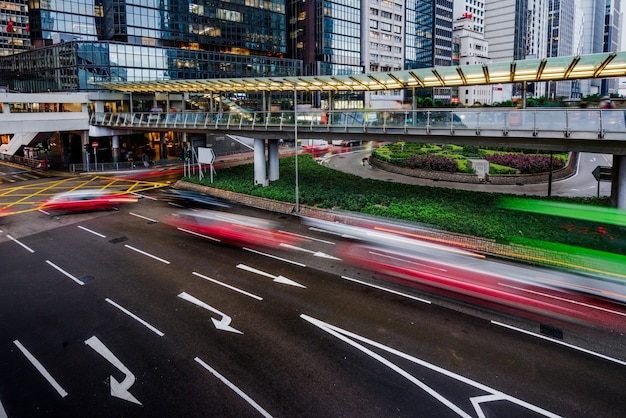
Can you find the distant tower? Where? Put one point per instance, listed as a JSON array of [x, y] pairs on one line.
[[14, 27], [473, 49]]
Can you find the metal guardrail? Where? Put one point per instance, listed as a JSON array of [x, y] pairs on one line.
[[552, 122]]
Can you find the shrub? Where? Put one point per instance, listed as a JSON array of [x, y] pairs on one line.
[[525, 163], [433, 163]]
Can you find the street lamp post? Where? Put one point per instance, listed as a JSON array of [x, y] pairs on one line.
[[295, 135]]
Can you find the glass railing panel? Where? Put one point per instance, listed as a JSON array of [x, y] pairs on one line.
[[613, 120], [583, 120], [550, 120]]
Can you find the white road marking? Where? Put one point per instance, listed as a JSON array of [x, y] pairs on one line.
[[493, 395], [233, 388], [575, 302], [135, 317], [118, 389], [274, 257], [41, 369], [315, 253], [227, 286], [144, 196], [146, 254], [93, 232], [395, 292], [143, 217], [277, 279], [18, 242], [308, 237], [223, 324], [563, 343], [44, 212], [3, 413], [65, 272], [198, 234]]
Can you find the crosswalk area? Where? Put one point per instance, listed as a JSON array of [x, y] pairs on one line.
[[27, 196]]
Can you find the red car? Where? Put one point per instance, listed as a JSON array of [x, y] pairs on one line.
[[232, 229], [85, 200]]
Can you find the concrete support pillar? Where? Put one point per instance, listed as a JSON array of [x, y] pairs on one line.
[[618, 185], [259, 162], [273, 158], [115, 148]]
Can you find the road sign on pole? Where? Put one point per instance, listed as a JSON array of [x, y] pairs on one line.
[[602, 173]]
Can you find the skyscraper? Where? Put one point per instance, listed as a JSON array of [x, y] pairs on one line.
[[81, 43], [14, 27]]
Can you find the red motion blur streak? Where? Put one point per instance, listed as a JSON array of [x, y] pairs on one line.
[[236, 230], [524, 298], [85, 200]]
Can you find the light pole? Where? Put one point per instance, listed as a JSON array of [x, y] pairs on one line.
[[295, 136]]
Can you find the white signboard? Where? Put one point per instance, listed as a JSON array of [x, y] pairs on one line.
[[206, 155]]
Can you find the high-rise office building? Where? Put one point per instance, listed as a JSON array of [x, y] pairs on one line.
[[80, 43], [561, 20], [14, 27], [442, 43], [612, 24]]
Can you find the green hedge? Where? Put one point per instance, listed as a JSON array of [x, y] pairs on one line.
[[461, 211]]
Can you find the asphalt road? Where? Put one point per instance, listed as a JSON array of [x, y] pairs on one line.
[[581, 184], [118, 314]]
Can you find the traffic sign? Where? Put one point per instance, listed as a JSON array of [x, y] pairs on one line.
[[94, 144], [602, 173]]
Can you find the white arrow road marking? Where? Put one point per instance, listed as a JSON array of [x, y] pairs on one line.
[[277, 279], [223, 324], [119, 390], [493, 395], [41, 369], [233, 388], [315, 253]]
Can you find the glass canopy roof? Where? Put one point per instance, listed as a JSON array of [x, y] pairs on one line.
[[604, 65]]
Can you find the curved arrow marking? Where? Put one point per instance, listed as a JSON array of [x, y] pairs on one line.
[[277, 279], [119, 390], [223, 324]]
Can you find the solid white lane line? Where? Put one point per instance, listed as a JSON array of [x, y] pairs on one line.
[[228, 286], [65, 272], [135, 317], [143, 217], [387, 290], [588, 305], [233, 388], [146, 254], [543, 337], [274, 257], [23, 245], [41, 369], [93, 232]]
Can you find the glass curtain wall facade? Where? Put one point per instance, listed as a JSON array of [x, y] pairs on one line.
[[14, 27], [81, 65], [560, 40], [140, 40], [442, 51], [419, 34]]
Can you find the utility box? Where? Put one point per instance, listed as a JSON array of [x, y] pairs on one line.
[[480, 166]]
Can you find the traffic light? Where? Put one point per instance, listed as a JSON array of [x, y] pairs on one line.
[[86, 148]]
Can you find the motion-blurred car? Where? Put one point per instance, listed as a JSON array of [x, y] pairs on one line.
[[188, 198], [85, 200], [232, 229]]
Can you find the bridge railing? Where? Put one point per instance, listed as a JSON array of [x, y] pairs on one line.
[[562, 121]]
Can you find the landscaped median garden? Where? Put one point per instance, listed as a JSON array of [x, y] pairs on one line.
[[479, 214]]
